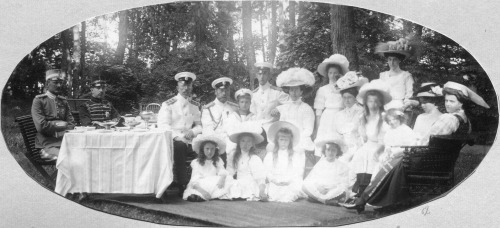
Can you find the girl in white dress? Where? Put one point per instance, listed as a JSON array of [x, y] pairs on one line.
[[328, 101], [328, 181], [245, 166], [209, 179], [399, 134], [371, 129], [284, 165]]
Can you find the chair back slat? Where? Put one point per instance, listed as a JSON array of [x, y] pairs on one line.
[[154, 107], [28, 131]]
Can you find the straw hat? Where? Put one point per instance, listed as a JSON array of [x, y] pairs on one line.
[[249, 127], [295, 76], [336, 59], [337, 140], [276, 126], [350, 80], [429, 89], [377, 85], [213, 137], [474, 97]]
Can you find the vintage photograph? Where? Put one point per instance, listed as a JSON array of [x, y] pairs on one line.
[[241, 113]]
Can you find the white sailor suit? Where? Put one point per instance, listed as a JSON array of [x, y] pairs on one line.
[[180, 115], [214, 119], [264, 99]]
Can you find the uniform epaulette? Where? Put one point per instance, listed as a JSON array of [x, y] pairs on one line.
[[276, 88], [170, 101], [41, 95], [195, 103], [62, 97], [209, 105], [255, 90]]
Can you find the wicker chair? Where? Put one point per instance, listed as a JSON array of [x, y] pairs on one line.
[[154, 107], [28, 131], [430, 169]]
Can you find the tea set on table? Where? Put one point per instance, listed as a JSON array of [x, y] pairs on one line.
[[131, 123]]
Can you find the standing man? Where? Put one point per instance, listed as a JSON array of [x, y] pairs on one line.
[[266, 97], [182, 116], [97, 109], [51, 115]]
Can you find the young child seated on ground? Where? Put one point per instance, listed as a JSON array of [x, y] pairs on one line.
[[328, 180], [284, 164], [209, 179], [398, 134], [245, 166]]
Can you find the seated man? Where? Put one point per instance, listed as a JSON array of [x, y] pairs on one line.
[[182, 116], [51, 115], [97, 109]]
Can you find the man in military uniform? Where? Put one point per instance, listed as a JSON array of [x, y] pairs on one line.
[[182, 116], [51, 115], [216, 113], [266, 97], [97, 109]]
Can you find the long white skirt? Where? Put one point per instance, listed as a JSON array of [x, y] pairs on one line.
[[364, 160], [325, 129], [285, 194]]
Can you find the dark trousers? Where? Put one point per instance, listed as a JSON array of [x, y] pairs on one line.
[[181, 151]]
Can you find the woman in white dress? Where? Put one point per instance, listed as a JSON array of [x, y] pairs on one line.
[[284, 166], [373, 96], [296, 81], [430, 97], [400, 82], [245, 166], [328, 181], [209, 179], [328, 100], [346, 121]]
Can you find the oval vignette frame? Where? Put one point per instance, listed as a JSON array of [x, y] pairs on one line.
[[481, 163]]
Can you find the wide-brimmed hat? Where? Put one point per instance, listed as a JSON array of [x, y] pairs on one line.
[[351, 80], [185, 76], [295, 76], [402, 47], [337, 140], [377, 85], [276, 126], [336, 59], [428, 89], [249, 127], [474, 97], [222, 82], [242, 92], [217, 139]]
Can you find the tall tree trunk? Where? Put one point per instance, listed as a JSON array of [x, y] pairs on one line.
[[342, 31], [83, 47], [291, 14], [75, 64], [67, 38], [273, 32], [122, 37], [262, 34], [246, 14]]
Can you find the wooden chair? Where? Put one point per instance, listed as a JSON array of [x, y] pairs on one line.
[[154, 107], [429, 169], [28, 131]]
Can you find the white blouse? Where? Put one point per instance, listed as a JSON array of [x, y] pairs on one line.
[[329, 97], [302, 116], [400, 86], [282, 171], [206, 170]]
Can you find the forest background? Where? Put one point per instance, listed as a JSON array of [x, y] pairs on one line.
[[138, 51]]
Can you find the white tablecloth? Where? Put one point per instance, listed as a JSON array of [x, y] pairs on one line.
[[117, 162]]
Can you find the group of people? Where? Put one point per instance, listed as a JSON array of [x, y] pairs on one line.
[[271, 146]]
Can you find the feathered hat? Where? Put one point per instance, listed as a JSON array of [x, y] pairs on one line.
[[295, 77], [404, 47]]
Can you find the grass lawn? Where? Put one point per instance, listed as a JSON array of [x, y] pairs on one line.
[[468, 160]]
